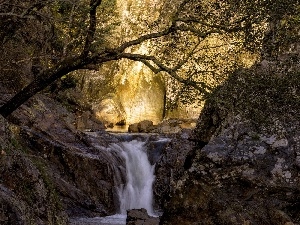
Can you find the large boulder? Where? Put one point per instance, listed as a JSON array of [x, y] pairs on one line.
[[244, 168], [144, 126], [169, 126], [133, 128], [26, 195]]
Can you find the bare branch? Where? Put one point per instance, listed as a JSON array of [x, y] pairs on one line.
[[92, 26], [29, 12], [144, 38], [233, 27], [200, 86], [14, 15]]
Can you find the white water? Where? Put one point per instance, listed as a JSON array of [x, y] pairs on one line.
[[117, 219], [137, 192]]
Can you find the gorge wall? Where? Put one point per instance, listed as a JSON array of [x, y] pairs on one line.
[[244, 168]]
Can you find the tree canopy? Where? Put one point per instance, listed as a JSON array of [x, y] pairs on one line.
[[47, 39]]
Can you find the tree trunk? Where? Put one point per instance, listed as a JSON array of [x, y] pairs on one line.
[[41, 82]]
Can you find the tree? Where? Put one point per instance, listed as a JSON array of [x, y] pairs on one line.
[[74, 37]]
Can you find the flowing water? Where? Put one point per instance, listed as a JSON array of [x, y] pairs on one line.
[[118, 219], [137, 192]]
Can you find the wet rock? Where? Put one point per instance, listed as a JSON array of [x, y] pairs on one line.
[[156, 144], [140, 217], [145, 126], [169, 126]]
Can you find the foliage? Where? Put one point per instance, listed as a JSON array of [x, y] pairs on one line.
[[57, 37], [260, 96]]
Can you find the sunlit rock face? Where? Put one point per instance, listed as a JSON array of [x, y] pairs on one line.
[[110, 110], [139, 94]]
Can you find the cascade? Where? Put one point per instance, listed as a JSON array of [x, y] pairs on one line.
[[137, 192], [134, 178]]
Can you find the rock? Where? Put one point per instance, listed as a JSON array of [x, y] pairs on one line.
[[26, 192], [65, 165], [244, 167], [121, 123], [169, 126], [156, 145], [170, 166], [43, 172], [145, 126], [110, 125], [133, 128], [87, 121], [109, 110], [140, 217]]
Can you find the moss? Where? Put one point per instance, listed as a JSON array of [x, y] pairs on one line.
[[255, 137], [54, 203], [16, 145], [26, 188]]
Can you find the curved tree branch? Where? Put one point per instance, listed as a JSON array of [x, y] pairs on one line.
[[89, 59], [47, 77], [160, 67]]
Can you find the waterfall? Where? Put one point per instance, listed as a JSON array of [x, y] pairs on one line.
[[133, 176], [137, 192]]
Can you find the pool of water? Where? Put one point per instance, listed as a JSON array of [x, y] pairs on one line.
[[117, 219]]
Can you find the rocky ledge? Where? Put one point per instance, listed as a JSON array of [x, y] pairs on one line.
[[49, 170], [169, 126]]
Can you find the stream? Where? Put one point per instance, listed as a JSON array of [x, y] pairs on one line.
[[137, 192]]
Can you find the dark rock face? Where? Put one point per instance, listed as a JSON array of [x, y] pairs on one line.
[[133, 128], [25, 196], [236, 179], [50, 171], [88, 121], [244, 168], [170, 166], [79, 173], [140, 217]]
